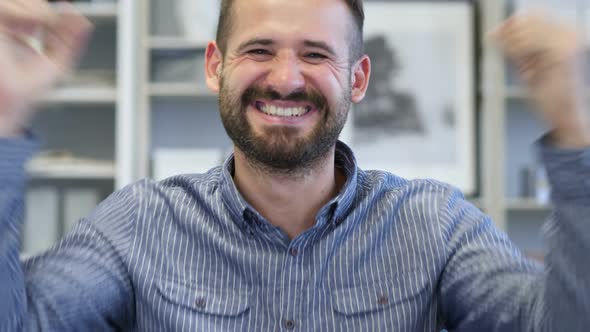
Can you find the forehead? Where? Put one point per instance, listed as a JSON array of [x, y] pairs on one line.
[[291, 21]]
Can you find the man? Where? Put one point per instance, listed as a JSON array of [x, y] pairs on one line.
[[289, 234]]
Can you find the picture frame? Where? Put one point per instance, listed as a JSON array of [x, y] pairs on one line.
[[418, 118]]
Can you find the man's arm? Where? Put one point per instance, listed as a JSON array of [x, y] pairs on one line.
[[488, 285], [567, 294], [14, 153], [82, 284]]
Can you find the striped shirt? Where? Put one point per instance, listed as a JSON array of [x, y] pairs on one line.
[[387, 254]]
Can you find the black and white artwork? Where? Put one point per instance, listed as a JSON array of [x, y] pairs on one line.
[[417, 119]]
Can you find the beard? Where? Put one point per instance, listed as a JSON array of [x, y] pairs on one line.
[[282, 150]]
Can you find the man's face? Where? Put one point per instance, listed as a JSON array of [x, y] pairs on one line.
[[285, 86]]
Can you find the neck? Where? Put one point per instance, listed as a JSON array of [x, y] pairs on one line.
[[289, 201]]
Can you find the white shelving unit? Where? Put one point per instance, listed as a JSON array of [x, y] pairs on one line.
[[526, 204], [492, 118], [86, 95], [74, 171], [93, 10], [82, 95], [131, 88], [120, 96], [116, 27], [172, 90], [175, 43]]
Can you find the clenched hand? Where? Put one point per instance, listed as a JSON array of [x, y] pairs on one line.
[[548, 54], [37, 46]]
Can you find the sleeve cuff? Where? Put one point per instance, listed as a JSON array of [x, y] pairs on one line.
[[568, 170]]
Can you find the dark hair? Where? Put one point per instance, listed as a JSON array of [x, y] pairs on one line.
[[224, 27]]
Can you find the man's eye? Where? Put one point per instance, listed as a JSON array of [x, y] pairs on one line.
[[259, 52], [316, 56]]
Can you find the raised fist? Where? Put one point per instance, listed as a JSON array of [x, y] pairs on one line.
[[37, 46]]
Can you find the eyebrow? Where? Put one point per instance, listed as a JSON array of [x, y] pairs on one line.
[[320, 44], [255, 41], [267, 42]]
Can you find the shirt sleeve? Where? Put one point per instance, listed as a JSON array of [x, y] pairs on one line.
[[82, 283], [488, 285]]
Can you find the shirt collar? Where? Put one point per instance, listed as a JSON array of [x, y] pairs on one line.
[[333, 212]]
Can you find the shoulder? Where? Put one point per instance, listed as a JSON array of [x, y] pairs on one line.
[[386, 192], [148, 194], [419, 206], [142, 190], [386, 183]]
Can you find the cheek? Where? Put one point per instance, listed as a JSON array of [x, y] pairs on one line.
[[333, 85], [242, 74]]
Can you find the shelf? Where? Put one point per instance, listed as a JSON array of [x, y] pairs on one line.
[[175, 43], [83, 95], [71, 169], [179, 90], [526, 204], [92, 10]]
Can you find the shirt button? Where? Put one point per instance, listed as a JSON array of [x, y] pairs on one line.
[[289, 324], [339, 221], [383, 300], [294, 252], [201, 302], [250, 216]]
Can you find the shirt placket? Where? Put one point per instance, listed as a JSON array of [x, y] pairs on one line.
[[294, 286]]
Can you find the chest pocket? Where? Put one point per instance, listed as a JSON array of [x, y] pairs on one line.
[[393, 302], [213, 302]]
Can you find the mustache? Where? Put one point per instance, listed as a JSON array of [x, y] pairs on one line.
[[253, 93]]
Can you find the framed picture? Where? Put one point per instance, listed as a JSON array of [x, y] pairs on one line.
[[418, 117]]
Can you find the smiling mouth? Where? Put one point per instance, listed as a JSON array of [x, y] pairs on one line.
[[285, 112]]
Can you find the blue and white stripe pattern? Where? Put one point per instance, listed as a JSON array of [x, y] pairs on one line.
[[387, 254]]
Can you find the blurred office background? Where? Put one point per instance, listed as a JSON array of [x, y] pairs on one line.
[[138, 107]]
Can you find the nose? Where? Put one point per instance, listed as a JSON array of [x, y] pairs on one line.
[[285, 76]]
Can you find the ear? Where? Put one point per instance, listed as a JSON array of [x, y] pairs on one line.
[[213, 63], [360, 74]]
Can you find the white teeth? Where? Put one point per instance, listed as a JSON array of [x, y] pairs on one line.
[[286, 112]]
